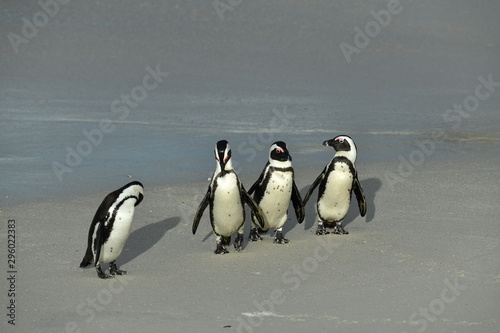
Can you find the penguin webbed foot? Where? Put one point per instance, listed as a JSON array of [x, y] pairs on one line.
[[321, 230], [339, 230], [238, 243], [279, 239], [220, 249], [254, 235], [101, 274], [113, 270]]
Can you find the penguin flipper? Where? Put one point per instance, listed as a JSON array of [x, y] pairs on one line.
[[99, 241], [256, 211], [313, 186], [87, 259], [297, 203], [100, 215], [89, 256], [201, 208], [360, 196], [258, 181]]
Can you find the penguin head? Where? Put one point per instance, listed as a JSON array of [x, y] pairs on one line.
[[136, 189], [223, 156], [279, 152], [343, 145]]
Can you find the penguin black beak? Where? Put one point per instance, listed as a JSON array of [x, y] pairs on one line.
[[222, 164], [223, 159], [281, 154], [328, 143]]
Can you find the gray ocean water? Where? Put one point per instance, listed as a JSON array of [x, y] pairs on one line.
[[95, 94]]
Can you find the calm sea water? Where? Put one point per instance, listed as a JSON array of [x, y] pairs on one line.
[[81, 111]]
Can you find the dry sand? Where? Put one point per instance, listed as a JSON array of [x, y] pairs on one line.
[[424, 258]]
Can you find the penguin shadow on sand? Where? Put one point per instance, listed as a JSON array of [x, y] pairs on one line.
[[310, 208], [370, 188], [291, 222], [144, 238]]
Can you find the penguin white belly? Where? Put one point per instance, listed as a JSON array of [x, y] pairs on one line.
[[227, 211], [276, 199], [334, 203], [120, 233]]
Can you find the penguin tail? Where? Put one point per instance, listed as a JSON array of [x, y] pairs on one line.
[[87, 260], [84, 263]]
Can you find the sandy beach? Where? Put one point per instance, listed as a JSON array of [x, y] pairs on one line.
[[418, 259], [96, 94]]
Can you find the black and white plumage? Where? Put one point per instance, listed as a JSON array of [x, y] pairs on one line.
[[110, 228], [336, 183], [273, 191], [226, 197]]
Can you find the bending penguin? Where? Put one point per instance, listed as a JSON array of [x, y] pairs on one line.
[[273, 191], [226, 197], [110, 228], [336, 184]]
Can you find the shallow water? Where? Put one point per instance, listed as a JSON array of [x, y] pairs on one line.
[[175, 148], [266, 72]]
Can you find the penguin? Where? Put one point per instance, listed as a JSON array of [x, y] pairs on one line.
[[336, 183], [226, 197], [110, 228], [273, 191]]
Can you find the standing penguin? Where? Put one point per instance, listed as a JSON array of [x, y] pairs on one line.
[[273, 191], [336, 183], [110, 228], [226, 196]]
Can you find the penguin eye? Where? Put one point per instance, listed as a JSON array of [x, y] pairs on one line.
[[279, 150]]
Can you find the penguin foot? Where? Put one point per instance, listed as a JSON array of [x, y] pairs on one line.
[[113, 270], [101, 274], [254, 235], [279, 239], [238, 243], [321, 230], [220, 249], [339, 230]]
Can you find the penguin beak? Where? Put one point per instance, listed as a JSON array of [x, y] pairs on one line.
[[329, 143], [281, 154], [222, 164], [223, 160]]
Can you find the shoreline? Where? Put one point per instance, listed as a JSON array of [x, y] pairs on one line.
[[400, 164]]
